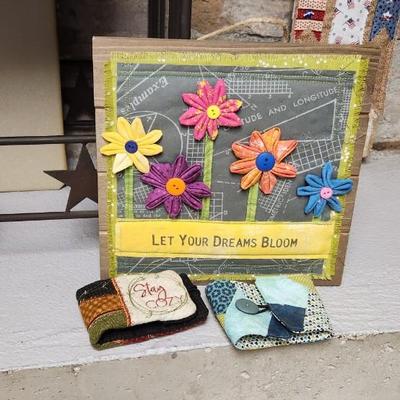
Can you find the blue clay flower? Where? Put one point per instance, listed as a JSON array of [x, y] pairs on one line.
[[323, 190]]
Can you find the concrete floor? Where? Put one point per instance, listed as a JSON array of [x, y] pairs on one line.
[[346, 369], [45, 262]]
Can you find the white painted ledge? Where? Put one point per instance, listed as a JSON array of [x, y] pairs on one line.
[[44, 263]]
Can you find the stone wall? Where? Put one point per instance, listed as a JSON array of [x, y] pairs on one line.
[[210, 15]]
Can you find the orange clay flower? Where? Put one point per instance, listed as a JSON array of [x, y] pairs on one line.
[[261, 160]]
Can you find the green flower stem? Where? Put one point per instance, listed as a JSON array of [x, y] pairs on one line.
[[207, 173], [252, 203], [128, 180]]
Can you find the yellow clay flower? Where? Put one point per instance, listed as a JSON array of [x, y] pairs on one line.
[[130, 144]]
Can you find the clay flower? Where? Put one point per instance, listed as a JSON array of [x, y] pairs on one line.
[[175, 183], [261, 160], [209, 109], [323, 190], [131, 144]]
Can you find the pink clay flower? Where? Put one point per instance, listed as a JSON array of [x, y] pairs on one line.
[[209, 109]]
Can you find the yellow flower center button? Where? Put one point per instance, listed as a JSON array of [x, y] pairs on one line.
[[213, 112], [175, 186]]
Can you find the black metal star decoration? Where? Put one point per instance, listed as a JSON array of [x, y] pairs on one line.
[[82, 180]]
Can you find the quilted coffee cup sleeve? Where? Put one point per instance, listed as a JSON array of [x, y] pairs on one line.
[[135, 308]]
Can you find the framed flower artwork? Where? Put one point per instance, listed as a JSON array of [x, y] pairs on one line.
[[228, 160]]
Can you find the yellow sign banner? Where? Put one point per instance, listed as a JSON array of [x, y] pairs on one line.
[[215, 239]]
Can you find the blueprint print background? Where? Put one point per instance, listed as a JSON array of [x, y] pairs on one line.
[[308, 105]]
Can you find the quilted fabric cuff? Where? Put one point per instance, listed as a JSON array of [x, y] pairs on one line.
[[135, 308]]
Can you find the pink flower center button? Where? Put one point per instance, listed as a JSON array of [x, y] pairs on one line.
[[326, 193], [175, 186], [213, 112]]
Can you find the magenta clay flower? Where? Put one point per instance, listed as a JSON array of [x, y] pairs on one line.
[[209, 109], [173, 184]]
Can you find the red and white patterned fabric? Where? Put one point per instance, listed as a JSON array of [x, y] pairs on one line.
[[349, 21], [309, 16]]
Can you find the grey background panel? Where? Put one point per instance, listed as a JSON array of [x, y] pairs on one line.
[[308, 105], [214, 266]]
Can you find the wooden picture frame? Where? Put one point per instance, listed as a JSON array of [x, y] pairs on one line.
[[105, 49]]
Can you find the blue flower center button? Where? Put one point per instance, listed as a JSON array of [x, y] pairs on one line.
[[326, 193], [265, 161], [131, 146]]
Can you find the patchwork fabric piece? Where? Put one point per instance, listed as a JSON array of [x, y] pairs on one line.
[[174, 184], [135, 308], [95, 306], [261, 161], [130, 145], [323, 191], [296, 313], [210, 109], [220, 295], [349, 20], [386, 17], [310, 17]]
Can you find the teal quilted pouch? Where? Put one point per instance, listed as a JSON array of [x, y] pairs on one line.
[[274, 311]]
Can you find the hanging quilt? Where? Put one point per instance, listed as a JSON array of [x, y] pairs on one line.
[[230, 163]]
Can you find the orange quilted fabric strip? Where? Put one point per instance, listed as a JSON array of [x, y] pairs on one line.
[[96, 306]]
